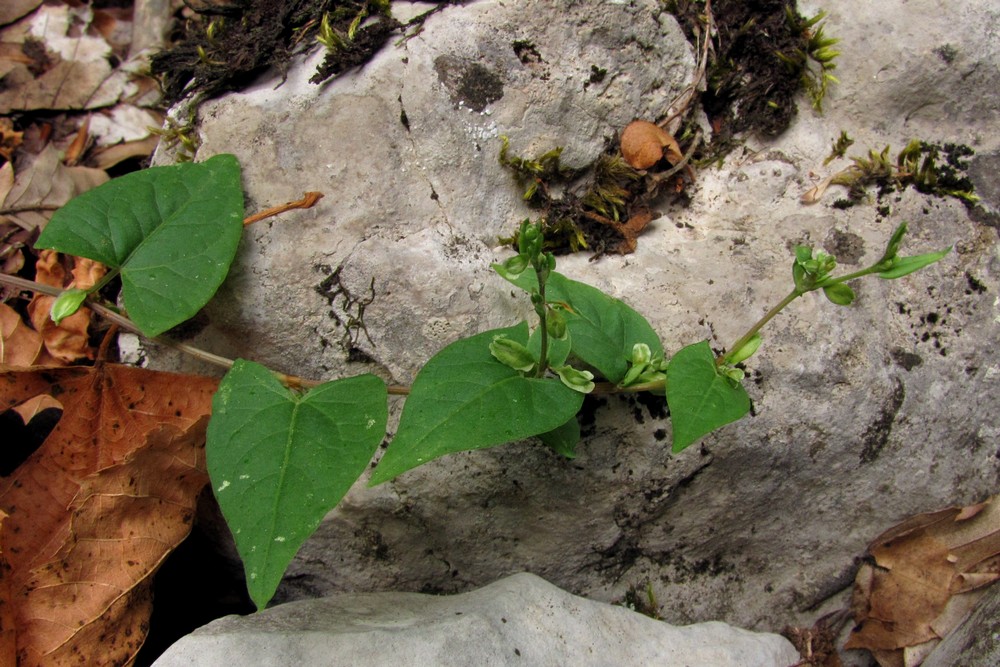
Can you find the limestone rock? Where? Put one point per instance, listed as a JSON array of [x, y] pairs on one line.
[[862, 415], [406, 152], [516, 621]]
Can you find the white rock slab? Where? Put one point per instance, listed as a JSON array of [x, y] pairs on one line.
[[520, 620]]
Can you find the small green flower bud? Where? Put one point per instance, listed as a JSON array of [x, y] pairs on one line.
[[524, 237], [513, 354], [651, 376], [892, 248], [632, 375], [581, 381], [746, 351], [641, 354], [67, 303], [555, 324], [734, 375]]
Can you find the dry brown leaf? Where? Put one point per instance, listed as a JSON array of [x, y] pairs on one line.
[[13, 241], [815, 193], [31, 407], [86, 272], [68, 341], [69, 69], [122, 133], [114, 24], [43, 184], [12, 237], [79, 144], [817, 646], [125, 520], [928, 573], [11, 10], [105, 158], [95, 510], [8, 636], [20, 345], [631, 228], [10, 139], [6, 180]]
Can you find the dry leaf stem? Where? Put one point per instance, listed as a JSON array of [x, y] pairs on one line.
[[682, 102], [109, 314], [291, 381]]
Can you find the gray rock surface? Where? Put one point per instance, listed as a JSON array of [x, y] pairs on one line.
[[418, 207], [863, 415], [520, 620]]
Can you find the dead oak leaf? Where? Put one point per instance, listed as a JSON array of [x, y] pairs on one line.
[[10, 139], [8, 635], [92, 599], [631, 228], [94, 511], [11, 10], [13, 243]]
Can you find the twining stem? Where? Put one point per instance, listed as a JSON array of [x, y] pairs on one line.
[[656, 386], [738, 345], [874, 268], [796, 293], [543, 359], [290, 381], [120, 320]]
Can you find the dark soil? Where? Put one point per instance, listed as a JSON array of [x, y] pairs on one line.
[[231, 43], [749, 88], [197, 584]]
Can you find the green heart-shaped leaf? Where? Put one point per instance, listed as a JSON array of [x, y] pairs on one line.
[[563, 439], [465, 399], [280, 460], [700, 398], [171, 231]]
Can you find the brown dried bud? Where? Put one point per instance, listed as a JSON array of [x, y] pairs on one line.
[[643, 145]]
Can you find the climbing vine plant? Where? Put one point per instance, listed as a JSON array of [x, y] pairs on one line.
[[280, 456]]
